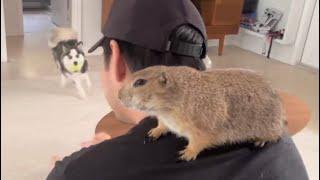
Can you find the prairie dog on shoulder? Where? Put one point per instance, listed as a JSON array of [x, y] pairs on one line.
[[208, 108]]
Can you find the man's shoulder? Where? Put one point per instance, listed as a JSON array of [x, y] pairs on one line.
[[131, 156]]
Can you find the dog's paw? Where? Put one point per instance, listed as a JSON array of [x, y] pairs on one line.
[[63, 81], [82, 94]]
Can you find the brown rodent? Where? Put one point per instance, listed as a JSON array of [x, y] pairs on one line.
[[209, 108]]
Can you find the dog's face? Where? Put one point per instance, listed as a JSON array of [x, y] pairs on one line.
[[73, 60]]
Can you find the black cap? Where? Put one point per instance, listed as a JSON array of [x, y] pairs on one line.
[[149, 23]]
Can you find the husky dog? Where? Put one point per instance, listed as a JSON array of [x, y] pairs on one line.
[[69, 57]]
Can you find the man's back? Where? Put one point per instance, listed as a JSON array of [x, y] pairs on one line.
[[131, 157]]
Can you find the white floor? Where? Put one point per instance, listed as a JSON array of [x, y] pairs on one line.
[[41, 119], [31, 19]]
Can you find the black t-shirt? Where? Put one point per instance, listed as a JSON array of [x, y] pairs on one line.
[[131, 157]]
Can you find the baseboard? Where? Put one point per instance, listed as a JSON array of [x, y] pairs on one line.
[[308, 68]]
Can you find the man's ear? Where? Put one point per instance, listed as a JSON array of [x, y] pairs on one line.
[[117, 66]]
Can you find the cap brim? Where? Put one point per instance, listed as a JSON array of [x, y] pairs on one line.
[[96, 45]]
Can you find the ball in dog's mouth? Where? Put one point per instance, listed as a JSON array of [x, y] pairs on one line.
[[75, 68]]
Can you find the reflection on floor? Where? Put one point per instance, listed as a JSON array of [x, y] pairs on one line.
[[37, 20]]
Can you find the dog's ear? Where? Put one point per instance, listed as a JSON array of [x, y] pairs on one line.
[[64, 48], [79, 45]]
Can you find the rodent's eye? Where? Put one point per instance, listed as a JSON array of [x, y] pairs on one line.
[[139, 82], [69, 56]]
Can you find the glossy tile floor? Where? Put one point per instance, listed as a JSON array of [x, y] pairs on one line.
[[41, 119], [32, 17]]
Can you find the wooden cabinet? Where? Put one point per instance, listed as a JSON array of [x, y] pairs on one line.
[[221, 17]]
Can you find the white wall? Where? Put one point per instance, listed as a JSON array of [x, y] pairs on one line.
[[13, 17], [303, 30], [282, 5], [91, 24], [311, 51], [288, 51], [3, 37]]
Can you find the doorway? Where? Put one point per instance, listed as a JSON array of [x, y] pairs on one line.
[[28, 24], [37, 16]]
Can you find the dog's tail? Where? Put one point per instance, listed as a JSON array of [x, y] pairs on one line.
[[61, 34]]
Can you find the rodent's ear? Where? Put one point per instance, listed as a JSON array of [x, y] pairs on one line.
[[163, 79]]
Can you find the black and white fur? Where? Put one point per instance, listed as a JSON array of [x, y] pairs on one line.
[[70, 59]]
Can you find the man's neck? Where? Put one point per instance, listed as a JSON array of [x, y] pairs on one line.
[[130, 117]]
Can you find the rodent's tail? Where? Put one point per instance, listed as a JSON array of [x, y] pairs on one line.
[[61, 34]]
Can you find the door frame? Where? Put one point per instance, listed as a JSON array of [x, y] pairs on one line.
[[308, 38], [76, 17], [303, 31], [4, 57]]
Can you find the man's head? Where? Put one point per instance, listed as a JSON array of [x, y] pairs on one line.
[[176, 38]]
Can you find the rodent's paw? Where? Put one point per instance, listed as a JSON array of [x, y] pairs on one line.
[[148, 139], [155, 133], [151, 136], [188, 154], [260, 144]]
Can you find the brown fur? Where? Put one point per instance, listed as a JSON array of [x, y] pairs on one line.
[[208, 108]]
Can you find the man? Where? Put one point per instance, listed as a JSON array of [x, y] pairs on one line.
[[144, 33]]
